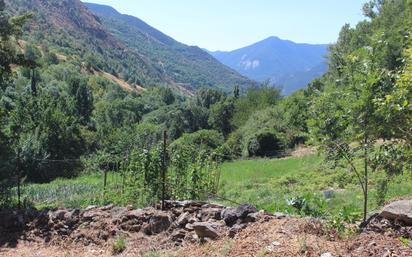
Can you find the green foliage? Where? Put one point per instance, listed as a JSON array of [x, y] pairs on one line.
[[355, 107], [309, 205], [253, 101], [119, 244]]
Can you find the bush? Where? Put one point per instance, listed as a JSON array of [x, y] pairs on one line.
[[119, 245]]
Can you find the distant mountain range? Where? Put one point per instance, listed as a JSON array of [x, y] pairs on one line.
[[285, 63]]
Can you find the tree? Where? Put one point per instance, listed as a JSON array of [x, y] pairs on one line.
[[83, 98], [221, 115], [10, 30], [205, 97]]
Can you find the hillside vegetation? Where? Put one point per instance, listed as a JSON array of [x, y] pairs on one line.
[[121, 45]]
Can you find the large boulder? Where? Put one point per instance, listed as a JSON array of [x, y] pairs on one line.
[[205, 229], [398, 211]]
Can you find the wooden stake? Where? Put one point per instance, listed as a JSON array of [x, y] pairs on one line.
[[164, 168]]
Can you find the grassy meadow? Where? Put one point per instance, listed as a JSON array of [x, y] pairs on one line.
[[270, 184]]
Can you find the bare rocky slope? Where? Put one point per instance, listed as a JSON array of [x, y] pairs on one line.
[[191, 228]]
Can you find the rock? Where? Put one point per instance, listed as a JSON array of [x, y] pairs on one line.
[[107, 207], [231, 215], [183, 219], [72, 217], [59, 215], [210, 213], [236, 229], [158, 223], [244, 210], [329, 193], [326, 255], [279, 215], [135, 214], [118, 212], [398, 211], [178, 235], [189, 227], [212, 205], [90, 207], [273, 246], [90, 215], [252, 217], [205, 229]]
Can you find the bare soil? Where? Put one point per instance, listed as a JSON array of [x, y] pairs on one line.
[[269, 237]]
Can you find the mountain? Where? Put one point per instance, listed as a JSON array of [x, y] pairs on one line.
[[121, 45], [287, 64]]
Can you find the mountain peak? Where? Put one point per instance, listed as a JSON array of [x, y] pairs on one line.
[[284, 62]]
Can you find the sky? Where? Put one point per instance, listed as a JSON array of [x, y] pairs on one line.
[[232, 24]]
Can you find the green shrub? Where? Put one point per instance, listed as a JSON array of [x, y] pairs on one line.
[[119, 245], [309, 205]]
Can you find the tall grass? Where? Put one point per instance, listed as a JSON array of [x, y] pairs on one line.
[[266, 183]]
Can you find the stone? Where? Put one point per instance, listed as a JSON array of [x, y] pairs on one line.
[[178, 235], [90, 215], [273, 246], [189, 227], [183, 219], [205, 230], [252, 217], [135, 214], [90, 207], [236, 229], [244, 210], [279, 215], [326, 255], [398, 211], [158, 223], [231, 215], [210, 213], [329, 193], [72, 217], [59, 215], [107, 207]]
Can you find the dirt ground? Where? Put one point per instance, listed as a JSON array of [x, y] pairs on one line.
[[276, 237]]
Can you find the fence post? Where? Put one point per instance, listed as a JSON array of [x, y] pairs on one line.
[[164, 168], [18, 171], [105, 182]]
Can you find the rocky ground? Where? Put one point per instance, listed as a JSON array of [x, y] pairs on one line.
[[196, 229]]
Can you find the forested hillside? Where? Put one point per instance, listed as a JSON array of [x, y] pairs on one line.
[[187, 66], [118, 46]]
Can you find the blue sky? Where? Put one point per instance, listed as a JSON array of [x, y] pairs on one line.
[[231, 24]]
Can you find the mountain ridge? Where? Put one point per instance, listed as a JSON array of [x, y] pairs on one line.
[[284, 62], [133, 31], [122, 45]]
